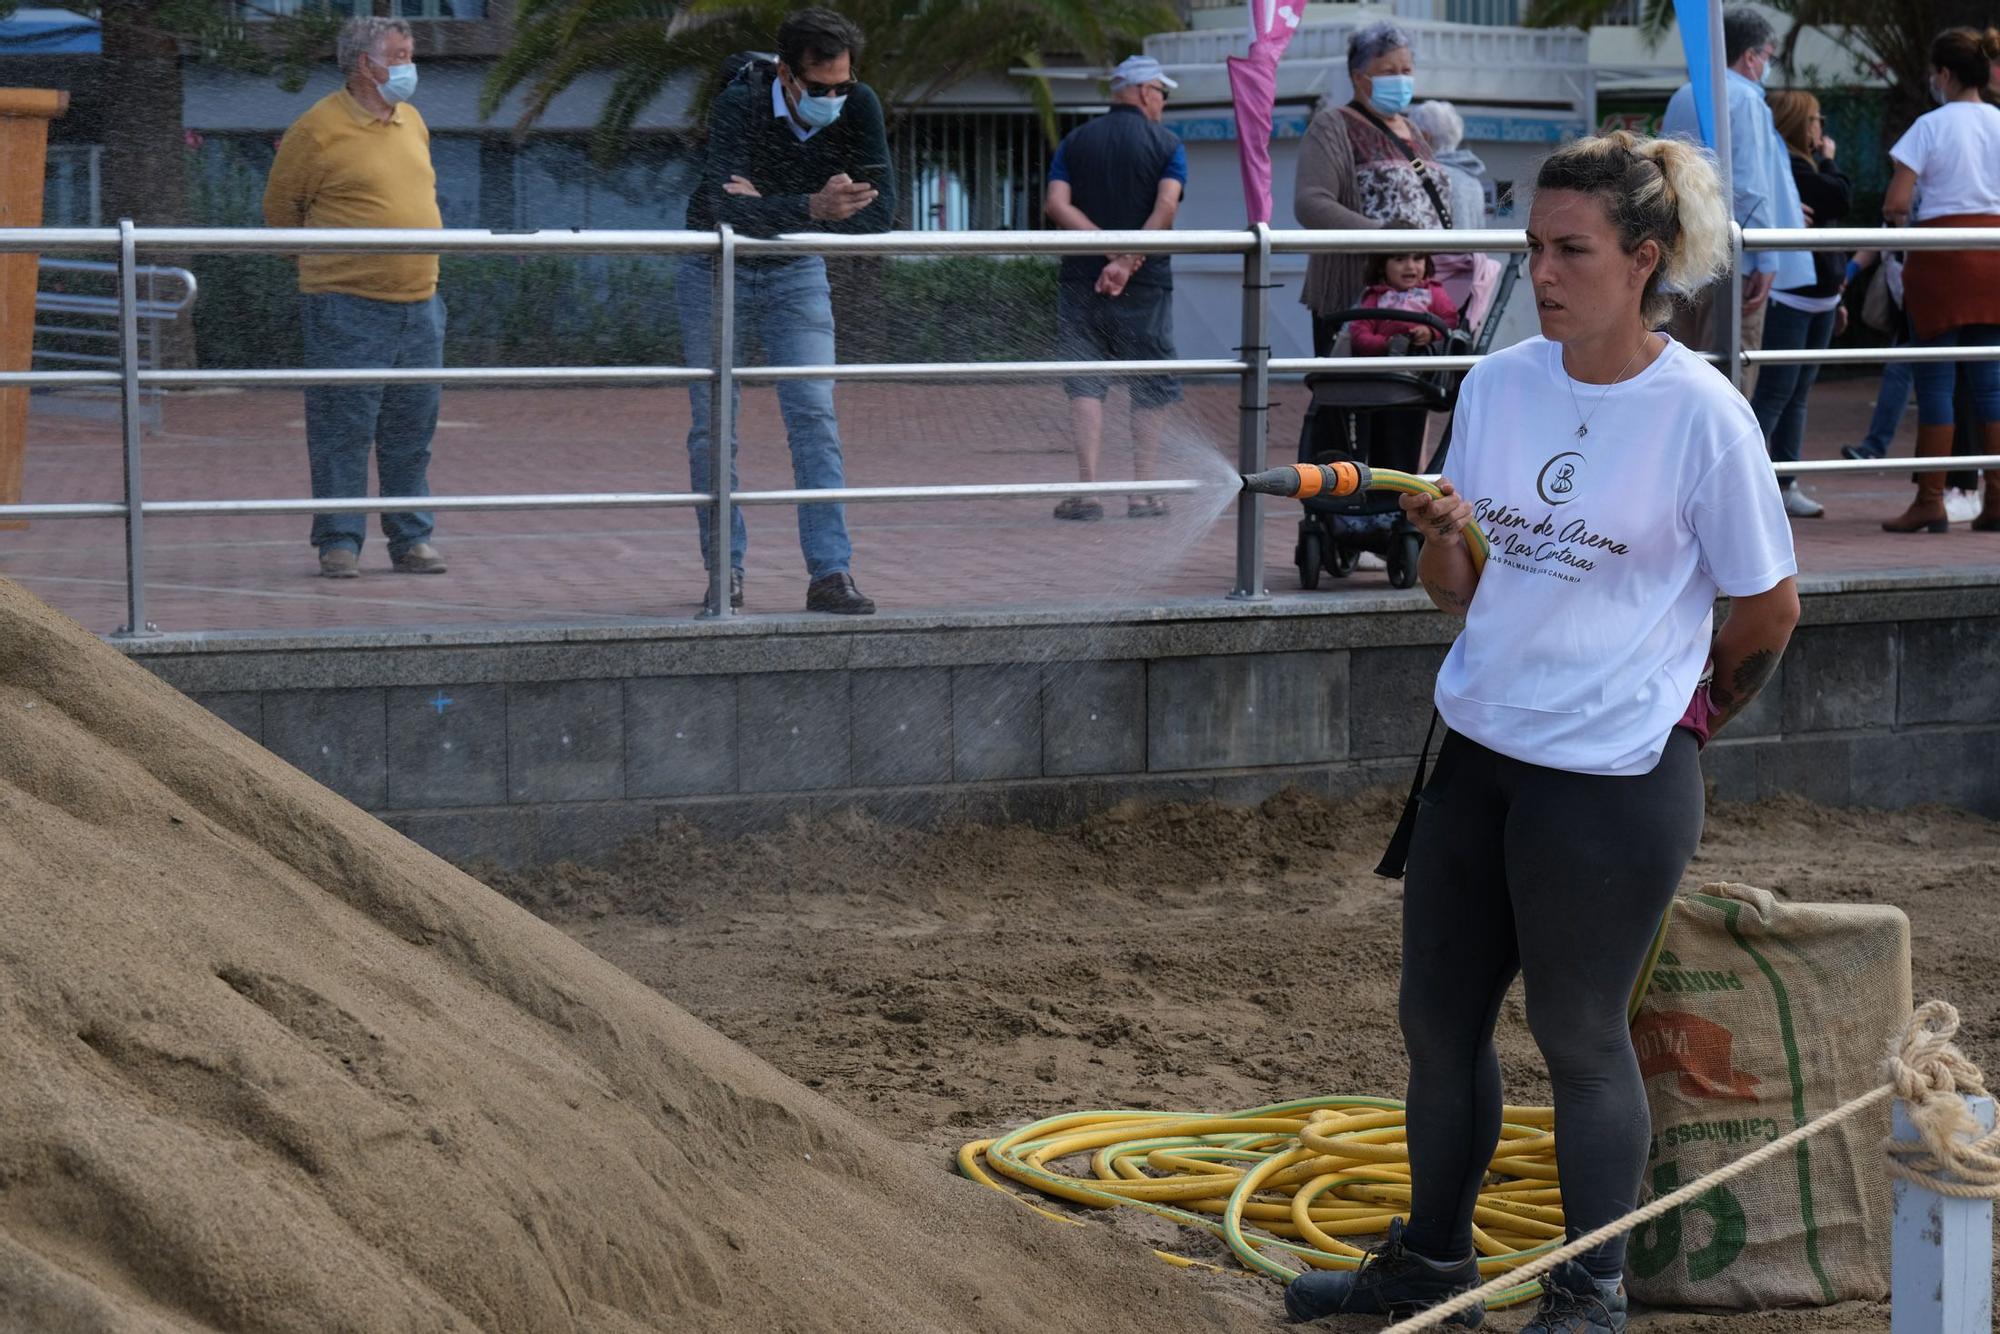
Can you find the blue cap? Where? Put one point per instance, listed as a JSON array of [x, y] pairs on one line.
[[1135, 71]]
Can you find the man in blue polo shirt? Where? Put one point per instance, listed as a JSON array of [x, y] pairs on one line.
[[1760, 177], [1123, 171]]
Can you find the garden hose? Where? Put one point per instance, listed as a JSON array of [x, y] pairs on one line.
[[1304, 1174], [1348, 478]]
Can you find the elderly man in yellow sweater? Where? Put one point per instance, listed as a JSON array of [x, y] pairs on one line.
[[361, 157]]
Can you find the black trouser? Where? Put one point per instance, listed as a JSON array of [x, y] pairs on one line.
[[1560, 877]]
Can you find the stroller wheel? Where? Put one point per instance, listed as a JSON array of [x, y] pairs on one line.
[[1404, 549], [1342, 561], [1310, 554]]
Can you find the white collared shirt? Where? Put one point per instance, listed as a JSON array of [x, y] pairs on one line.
[[784, 113]]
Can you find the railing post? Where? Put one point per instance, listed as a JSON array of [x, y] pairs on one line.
[[1253, 412], [1731, 327], [136, 625], [722, 421], [1941, 1251]]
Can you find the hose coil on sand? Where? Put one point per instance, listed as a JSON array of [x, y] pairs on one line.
[[1305, 1174]]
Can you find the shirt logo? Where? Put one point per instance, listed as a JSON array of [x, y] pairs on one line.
[[1560, 478]]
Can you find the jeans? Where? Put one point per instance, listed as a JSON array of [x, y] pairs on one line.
[[1890, 400], [1779, 399], [344, 423], [788, 307], [1935, 379]]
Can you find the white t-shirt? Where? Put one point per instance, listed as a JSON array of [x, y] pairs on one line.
[[1588, 632], [1955, 152]]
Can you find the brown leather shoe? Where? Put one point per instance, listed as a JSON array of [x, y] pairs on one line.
[[339, 563], [422, 558], [836, 593], [1926, 513]]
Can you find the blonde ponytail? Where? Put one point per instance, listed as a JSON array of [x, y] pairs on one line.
[[1660, 190], [1700, 253]]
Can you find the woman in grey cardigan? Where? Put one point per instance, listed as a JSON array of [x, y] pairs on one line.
[[1353, 176]]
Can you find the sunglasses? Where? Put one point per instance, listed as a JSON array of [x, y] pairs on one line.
[[841, 89]]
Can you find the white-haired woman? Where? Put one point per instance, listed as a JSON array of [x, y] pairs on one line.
[[1472, 191], [1624, 484]]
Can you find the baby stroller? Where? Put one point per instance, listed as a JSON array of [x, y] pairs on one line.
[[1378, 419]]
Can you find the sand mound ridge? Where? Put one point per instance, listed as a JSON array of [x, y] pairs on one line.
[[270, 1066]]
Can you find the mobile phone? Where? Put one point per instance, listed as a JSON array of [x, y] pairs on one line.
[[871, 169]]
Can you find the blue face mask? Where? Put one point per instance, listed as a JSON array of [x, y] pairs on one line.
[[820, 112], [401, 84], [1392, 93]]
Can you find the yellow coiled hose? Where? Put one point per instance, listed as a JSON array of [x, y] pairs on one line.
[[1305, 1174]]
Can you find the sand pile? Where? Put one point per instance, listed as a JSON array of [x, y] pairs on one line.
[[269, 1066]]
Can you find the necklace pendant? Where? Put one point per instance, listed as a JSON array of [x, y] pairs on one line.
[[1582, 431]]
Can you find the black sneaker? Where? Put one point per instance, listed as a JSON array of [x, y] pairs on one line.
[[1572, 1303], [1390, 1281], [735, 594], [1859, 452], [836, 593]]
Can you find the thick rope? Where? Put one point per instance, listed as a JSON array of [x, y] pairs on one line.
[[1926, 1070]]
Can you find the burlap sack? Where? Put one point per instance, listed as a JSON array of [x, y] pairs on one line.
[[1761, 1016]]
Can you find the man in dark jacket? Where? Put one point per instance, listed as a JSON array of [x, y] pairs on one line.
[[794, 145], [1123, 171]]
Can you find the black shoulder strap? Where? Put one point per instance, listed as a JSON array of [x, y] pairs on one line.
[[1417, 164], [1397, 854]]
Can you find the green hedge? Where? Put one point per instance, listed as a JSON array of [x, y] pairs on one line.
[[566, 311]]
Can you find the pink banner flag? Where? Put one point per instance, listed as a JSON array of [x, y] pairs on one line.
[[1253, 83]]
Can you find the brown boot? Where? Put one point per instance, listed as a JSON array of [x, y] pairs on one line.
[[1989, 512], [1926, 513]]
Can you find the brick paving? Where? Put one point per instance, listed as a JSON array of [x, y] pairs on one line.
[[616, 566]]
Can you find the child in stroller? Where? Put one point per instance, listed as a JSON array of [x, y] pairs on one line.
[[1378, 417]]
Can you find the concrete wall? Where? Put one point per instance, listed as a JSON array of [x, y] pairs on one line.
[[535, 745]]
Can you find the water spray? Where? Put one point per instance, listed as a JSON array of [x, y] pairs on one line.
[[1344, 477]]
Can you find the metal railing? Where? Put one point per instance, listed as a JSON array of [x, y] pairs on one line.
[[76, 327], [1253, 367]]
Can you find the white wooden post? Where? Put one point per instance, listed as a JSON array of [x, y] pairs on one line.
[[1941, 1261]]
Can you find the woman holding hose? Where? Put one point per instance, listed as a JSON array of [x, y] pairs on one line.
[[1623, 484]]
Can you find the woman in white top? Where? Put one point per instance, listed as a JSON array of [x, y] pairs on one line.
[[1624, 484], [1948, 175]]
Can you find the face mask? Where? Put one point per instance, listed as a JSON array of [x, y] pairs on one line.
[[401, 84], [1937, 93], [820, 112], [1392, 93], [1764, 75]]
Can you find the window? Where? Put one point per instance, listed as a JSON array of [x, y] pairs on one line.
[[407, 9]]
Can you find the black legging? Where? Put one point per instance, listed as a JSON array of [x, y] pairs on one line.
[[1562, 878]]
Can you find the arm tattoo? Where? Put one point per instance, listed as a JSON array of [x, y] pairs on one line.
[[1448, 598], [1751, 675]]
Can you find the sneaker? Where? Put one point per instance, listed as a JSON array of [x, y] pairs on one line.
[[1368, 560], [1146, 507], [339, 563], [1960, 505], [1802, 506], [422, 558], [1081, 508], [1859, 452], [735, 594], [1390, 1281], [1573, 1303], [836, 593]]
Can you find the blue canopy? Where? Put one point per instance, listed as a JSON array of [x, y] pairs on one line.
[[48, 32]]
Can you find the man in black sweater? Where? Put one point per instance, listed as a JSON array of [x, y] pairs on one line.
[[794, 145]]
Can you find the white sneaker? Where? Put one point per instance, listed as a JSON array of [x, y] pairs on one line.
[[1960, 505], [1802, 506], [1368, 560]]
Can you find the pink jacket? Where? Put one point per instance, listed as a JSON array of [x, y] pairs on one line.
[[1371, 337]]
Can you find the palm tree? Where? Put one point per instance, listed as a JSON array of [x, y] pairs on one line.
[[1892, 37], [915, 49]]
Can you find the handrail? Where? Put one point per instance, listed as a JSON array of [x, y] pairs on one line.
[[126, 243]]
